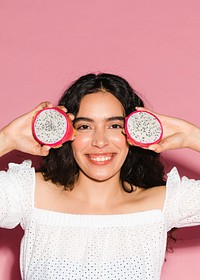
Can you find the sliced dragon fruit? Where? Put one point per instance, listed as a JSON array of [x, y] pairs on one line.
[[143, 129], [52, 127]]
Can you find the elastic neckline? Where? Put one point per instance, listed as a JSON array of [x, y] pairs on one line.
[[87, 220]]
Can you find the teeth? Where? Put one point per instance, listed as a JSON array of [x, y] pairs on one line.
[[101, 158]]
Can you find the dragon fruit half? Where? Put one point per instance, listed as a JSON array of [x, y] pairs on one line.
[[52, 127], [143, 129]]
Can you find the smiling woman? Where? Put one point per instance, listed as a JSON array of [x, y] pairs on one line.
[[111, 95], [100, 147], [98, 208]]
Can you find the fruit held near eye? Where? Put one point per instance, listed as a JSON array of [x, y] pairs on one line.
[[52, 127], [143, 129]]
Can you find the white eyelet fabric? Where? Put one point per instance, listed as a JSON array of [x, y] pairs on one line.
[[97, 247]]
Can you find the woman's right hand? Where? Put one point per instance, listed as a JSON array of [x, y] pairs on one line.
[[17, 135]]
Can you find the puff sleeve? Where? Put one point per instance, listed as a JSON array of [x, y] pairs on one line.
[[182, 204], [16, 194]]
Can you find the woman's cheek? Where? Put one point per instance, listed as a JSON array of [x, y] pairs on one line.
[[81, 139], [119, 138]]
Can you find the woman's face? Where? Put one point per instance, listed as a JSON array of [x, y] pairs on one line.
[[100, 147]]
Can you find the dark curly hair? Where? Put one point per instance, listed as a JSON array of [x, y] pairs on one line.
[[141, 168]]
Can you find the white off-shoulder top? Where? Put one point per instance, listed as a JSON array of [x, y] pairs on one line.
[[79, 247]]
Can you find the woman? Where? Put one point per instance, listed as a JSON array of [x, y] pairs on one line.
[[98, 208]]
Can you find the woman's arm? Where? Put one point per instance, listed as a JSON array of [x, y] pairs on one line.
[[17, 135], [177, 134]]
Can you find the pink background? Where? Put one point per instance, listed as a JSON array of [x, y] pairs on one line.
[[44, 45]]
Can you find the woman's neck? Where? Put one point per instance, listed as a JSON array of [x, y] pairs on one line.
[[98, 192]]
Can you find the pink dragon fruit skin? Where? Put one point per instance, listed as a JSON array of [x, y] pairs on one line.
[[52, 127], [143, 129]]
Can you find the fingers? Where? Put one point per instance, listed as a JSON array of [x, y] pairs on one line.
[[144, 109], [151, 112], [44, 150], [140, 109], [40, 150], [48, 104], [158, 148], [175, 141], [39, 107], [64, 109], [71, 116], [43, 105]]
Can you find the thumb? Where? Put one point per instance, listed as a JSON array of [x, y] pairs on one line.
[[158, 148], [41, 150], [170, 143]]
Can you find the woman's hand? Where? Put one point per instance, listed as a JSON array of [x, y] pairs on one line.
[[17, 135], [177, 134]]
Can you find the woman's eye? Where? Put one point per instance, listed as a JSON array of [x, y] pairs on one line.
[[116, 126], [83, 127]]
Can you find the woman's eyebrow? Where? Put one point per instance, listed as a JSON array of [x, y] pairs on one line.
[[82, 119], [114, 118]]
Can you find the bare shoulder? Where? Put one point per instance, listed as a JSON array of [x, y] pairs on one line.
[[39, 177], [155, 196], [45, 192], [40, 182], [148, 199], [157, 191]]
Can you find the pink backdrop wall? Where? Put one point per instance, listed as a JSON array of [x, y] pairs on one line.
[[44, 45]]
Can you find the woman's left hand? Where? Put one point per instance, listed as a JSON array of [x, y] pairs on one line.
[[177, 134]]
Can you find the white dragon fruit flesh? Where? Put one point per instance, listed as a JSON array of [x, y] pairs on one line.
[[143, 129], [52, 127]]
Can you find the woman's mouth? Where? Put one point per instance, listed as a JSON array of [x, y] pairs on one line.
[[100, 159]]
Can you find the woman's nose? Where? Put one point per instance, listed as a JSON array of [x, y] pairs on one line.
[[100, 138]]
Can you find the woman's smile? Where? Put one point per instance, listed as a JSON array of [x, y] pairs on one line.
[[100, 159], [100, 147]]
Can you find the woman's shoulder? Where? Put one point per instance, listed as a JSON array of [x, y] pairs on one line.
[[154, 197], [147, 199], [47, 194]]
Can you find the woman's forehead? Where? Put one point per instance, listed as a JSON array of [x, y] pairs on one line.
[[100, 103]]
